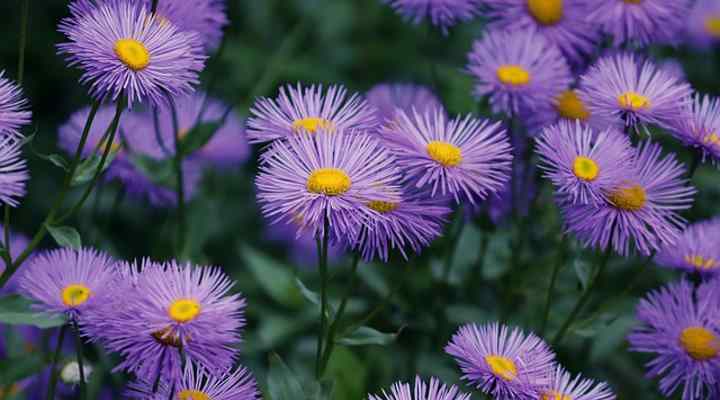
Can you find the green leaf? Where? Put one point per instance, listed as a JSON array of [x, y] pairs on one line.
[[65, 236], [15, 369], [16, 310], [282, 382], [88, 168], [199, 136], [277, 279], [582, 270], [56, 159], [160, 172], [368, 336]]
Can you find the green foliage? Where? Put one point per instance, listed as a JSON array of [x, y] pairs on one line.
[[16, 310]]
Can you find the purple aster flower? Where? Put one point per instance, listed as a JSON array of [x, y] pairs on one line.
[[198, 384], [564, 387], [698, 126], [684, 336], [387, 98], [502, 363], [163, 309], [623, 89], [463, 157], [584, 165], [696, 250], [326, 176], [205, 17], [561, 23], [74, 282], [568, 106], [441, 13], [301, 249], [433, 390], [13, 108], [642, 210], [13, 172], [703, 24], [674, 68], [122, 47], [640, 21], [309, 109], [519, 70]]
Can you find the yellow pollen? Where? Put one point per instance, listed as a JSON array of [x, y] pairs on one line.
[[546, 12], [168, 337], [569, 106], [712, 26], [713, 139], [312, 124], [114, 147], [633, 101], [585, 168], [445, 153], [191, 394], [629, 198], [329, 181], [553, 395], [514, 75], [132, 53], [701, 262], [700, 343], [502, 367], [75, 294], [184, 310], [382, 206]]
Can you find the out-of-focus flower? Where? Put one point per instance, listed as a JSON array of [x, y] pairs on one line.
[[14, 113], [698, 127], [388, 98], [568, 106], [435, 389], [703, 24], [640, 21], [441, 13], [696, 250]]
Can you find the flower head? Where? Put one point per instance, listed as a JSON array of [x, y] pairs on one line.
[[703, 24], [464, 157], [518, 70], [696, 250], [643, 210], [640, 21], [441, 13], [13, 172], [13, 108], [584, 165], [207, 18], [434, 390], [564, 387], [684, 336], [387, 98], [699, 127], [566, 107], [122, 47], [502, 363]]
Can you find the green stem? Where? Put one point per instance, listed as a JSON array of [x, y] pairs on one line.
[[322, 245], [177, 164], [53, 366], [81, 368], [453, 239], [559, 263], [23, 40], [695, 164], [154, 6]]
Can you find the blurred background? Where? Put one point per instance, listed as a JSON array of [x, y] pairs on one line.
[[410, 306]]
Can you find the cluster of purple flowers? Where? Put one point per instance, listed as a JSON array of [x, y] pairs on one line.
[[14, 115]]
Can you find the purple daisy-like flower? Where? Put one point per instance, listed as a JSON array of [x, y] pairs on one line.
[[502, 363], [73, 282], [640, 21], [435, 389], [387, 98], [207, 18], [463, 157], [309, 109], [13, 108], [441, 13], [696, 250], [13, 172], [703, 24], [564, 387], [518, 70], [123, 48], [584, 165], [311, 179], [163, 309], [643, 209], [623, 89], [561, 23], [699, 127], [684, 336]]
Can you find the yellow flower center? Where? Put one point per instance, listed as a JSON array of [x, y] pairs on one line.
[[553, 395], [329, 181], [699, 343], [445, 153], [75, 294], [312, 124], [191, 394], [382, 206], [712, 26], [184, 310], [132, 53], [701, 262], [168, 337], [514, 75], [629, 198], [546, 12], [585, 168], [633, 101], [712, 139], [569, 106], [502, 367]]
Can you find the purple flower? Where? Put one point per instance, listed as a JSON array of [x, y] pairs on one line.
[[308, 109], [387, 98], [502, 363], [643, 210], [698, 126], [163, 309], [207, 18], [568, 106], [696, 250], [584, 165], [561, 23], [703, 24], [564, 387], [518, 70], [684, 336], [623, 89], [13, 108], [441, 13], [123, 48], [463, 157], [311, 179], [73, 282], [641, 21], [434, 390], [13, 172]]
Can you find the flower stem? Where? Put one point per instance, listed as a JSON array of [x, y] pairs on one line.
[[78, 351], [177, 164], [559, 263], [456, 230], [322, 245], [695, 164], [154, 6], [53, 366]]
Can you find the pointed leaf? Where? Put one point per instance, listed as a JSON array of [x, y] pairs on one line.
[[367, 336], [277, 279], [56, 159], [160, 172], [16, 310], [15, 369], [282, 382], [198, 137], [65, 236], [88, 168]]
